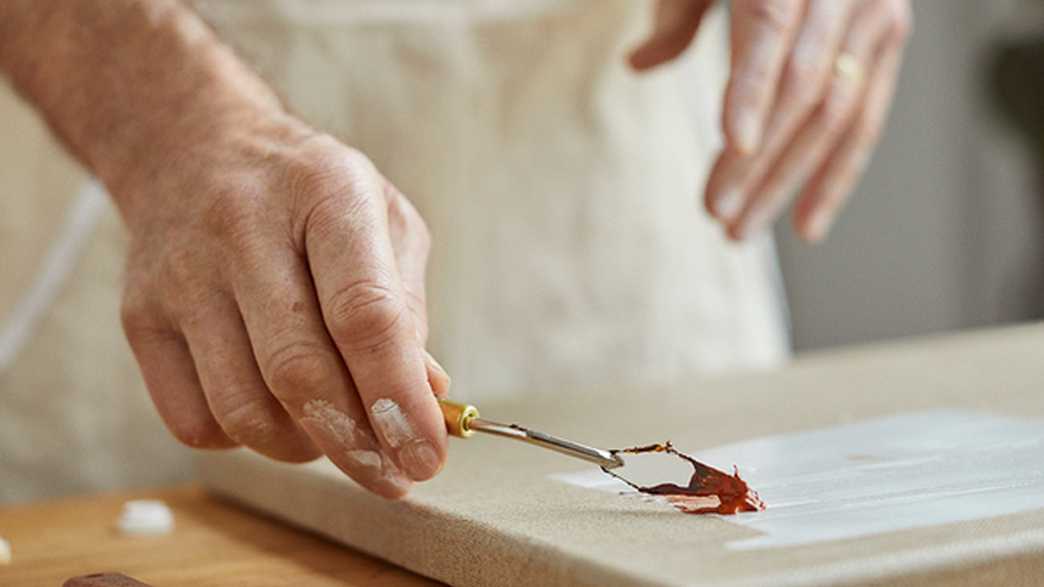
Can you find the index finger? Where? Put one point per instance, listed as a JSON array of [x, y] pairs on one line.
[[365, 308], [762, 31]]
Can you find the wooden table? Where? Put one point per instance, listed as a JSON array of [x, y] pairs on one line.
[[215, 542]]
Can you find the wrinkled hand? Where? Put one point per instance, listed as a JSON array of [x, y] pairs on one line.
[[810, 86], [275, 299]]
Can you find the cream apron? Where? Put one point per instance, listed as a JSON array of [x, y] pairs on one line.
[[561, 190]]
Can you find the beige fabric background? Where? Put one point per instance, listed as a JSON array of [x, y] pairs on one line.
[[492, 517], [561, 190], [74, 415]]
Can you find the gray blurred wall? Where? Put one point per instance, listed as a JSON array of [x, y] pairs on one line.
[[945, 231]]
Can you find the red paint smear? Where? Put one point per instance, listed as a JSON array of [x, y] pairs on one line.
[[709, 491]]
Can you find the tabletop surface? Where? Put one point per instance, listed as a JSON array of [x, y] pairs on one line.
[[214, 543]]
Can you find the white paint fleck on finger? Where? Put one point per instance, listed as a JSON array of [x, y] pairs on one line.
[[391, 423], [415, 455], [365, 459], [339, 426], [363, 456]]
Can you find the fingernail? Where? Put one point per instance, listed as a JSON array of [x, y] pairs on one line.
[[367, 460], [748, 131], [420, 460], [728, 204], [390, 422], [819, 225], [415, 454], [438, 378]]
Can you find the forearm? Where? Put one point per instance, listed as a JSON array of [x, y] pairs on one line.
[[127, 82]]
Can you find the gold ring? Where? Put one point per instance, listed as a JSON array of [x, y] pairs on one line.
[[848, 67]]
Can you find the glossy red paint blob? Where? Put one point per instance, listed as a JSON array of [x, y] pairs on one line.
[[709, 491]]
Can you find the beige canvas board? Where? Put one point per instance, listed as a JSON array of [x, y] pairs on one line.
[[508, 514]]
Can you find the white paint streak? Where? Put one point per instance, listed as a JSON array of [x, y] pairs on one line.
[[338, 425], [5, 552], [912, 470], [391, 423], [366, 459], [342, 429], [254, 430]]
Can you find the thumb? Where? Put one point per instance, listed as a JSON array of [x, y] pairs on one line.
[[674, 27]]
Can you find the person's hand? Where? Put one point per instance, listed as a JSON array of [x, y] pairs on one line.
[[275, 282], [275, 299], [810, 86]]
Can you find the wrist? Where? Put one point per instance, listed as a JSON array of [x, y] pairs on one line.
[[130, 85], [177, 96]]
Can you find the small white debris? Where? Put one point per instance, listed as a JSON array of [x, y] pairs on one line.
[[5, 552], [146, 516]]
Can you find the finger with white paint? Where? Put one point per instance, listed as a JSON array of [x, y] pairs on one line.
[[366, 311], [303, 370], [233, 386]]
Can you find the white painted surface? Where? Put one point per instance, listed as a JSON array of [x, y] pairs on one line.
[[884, 475]]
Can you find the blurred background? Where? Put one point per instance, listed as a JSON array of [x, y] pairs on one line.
[[946, 232], [947, 229]]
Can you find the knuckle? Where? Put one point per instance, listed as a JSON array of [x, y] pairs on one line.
[[408, 220], [774, 16], [802, 81], [312, 179], [248, 420], [328, 167], [332, 197], [365, 314], [332, 215], [135, 316], [298, 371], [356, 163]]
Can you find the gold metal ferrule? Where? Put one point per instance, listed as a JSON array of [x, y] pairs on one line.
[[458, 417]]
